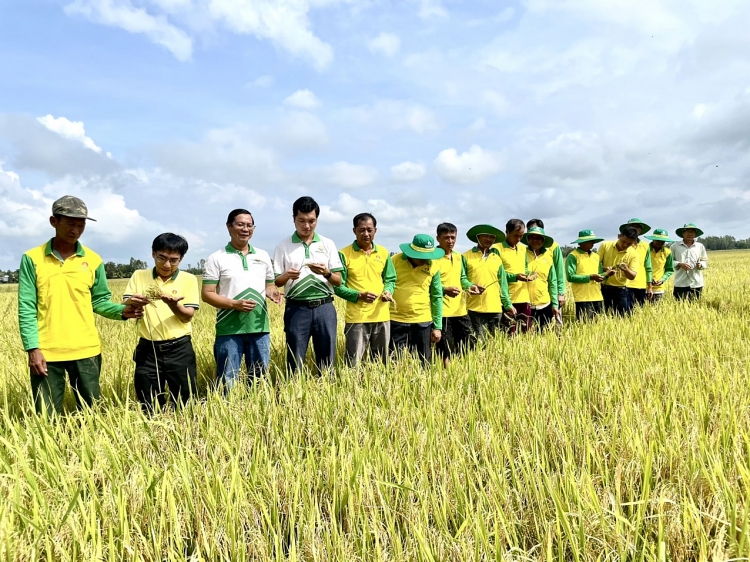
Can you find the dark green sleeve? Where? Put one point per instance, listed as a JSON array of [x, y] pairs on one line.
[[436, 301], [649, 269], [101, 297], [342, 291], [571, 265], [552, 286], [465, 283], [559, 265], [668, 268], [389, 276], [502, 280], [27, 312]]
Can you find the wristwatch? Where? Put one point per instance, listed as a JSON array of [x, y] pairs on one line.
[[328, 275]]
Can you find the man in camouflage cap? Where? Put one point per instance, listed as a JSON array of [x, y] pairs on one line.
[[61, 284]]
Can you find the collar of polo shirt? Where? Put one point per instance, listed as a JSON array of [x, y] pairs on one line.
[[296, 239], [232, 250], [358, 249], [80, 252], [155, 274]]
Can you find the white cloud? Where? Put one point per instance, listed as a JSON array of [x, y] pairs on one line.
[[473, 166], [265, 81], [495, 101], [300, 130], [387, 44], [349, 176], [124, 15], [408, 172], [303, 99], [73, 130], [432, 9], [396, 115]]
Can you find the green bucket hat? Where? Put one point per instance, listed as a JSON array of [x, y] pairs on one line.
[[698, 231], [660, 235], [475, 231], [548, 241], [586, 236], [422, 247], [644, 227]]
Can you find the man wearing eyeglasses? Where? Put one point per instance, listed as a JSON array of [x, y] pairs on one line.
[[236, 280], [169, 297]]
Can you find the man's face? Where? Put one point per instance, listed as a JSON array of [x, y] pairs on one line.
[[514, 237], [688, 234], [365, 233], [166, 262], [623, 242], [485, 241], [535, 241], [305, 223], [446, 240], [419, 263], [587, 246], [241, 229], [68, 229], [657, 244]]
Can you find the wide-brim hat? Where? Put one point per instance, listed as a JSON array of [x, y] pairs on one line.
[[644, 227], [679, 231], [660, 235], [586, 236], [422, 247], [548, 241], [475, 231]]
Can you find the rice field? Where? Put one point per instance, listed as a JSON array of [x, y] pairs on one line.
[[615, 440]]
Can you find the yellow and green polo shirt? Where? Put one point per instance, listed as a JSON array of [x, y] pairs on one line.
[[514, 261], [580, 266], [662, 266], [159, 323], [487, 271], [453, 274], [57, 300], [370, 273], [643, 277], [543, 289], [559, 265], [610, 256], [418, 292]]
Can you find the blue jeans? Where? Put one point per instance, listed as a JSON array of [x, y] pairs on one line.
[[228, 352]]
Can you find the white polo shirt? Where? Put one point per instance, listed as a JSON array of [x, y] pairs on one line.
[[238, 276], [294, 253]]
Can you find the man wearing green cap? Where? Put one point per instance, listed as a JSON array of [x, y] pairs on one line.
[[620, 265], [661, 262], [640, 287], [417, 317], [690, 259], [583, 269], [542, 288], [489, 296], [61, 284]]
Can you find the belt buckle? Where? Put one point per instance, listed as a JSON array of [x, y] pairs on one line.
[[314, 303]]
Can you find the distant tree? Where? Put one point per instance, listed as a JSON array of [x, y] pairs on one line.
[[724, 243], [566, 250]]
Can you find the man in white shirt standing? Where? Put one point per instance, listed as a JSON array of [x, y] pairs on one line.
[[690, 259], [308, 266]]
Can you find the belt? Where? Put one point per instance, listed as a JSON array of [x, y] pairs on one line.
[[166, 344], [314, 303]]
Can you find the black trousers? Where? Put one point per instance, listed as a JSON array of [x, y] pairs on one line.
[[484, 323], [159, 364], [687, 293], [617, 300], [414, 337], [589, 310], [637, 297], [457, 336], [541, 317]]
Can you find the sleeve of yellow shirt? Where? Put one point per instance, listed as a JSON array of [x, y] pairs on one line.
[[192, 293], [132, 287], [649, 269], [101, 297], [389, 276], [436, 300], [552, 286], [631, 259], [342, 291], [27, 304], [502, 280], [465, 283]]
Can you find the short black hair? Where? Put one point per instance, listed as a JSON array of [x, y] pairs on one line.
[[445, 228], [362, 217], [233, 215], [305, 205], [514, 224], [171, 243], [630, 232], [535, 222]]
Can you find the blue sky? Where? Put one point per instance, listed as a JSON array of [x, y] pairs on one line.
[[163, 115]]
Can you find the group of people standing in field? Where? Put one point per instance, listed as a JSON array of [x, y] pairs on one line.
[[427, 296]]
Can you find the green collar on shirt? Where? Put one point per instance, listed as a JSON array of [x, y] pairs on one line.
[[296, 239], [232, 250], [80, 252], [358, 249], [476, 249], [174, 276], [582, 252]]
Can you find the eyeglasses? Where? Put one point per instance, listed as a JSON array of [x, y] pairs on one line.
[[164, 259], [243, 225]]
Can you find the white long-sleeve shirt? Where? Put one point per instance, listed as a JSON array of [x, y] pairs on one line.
[[691, 255]]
